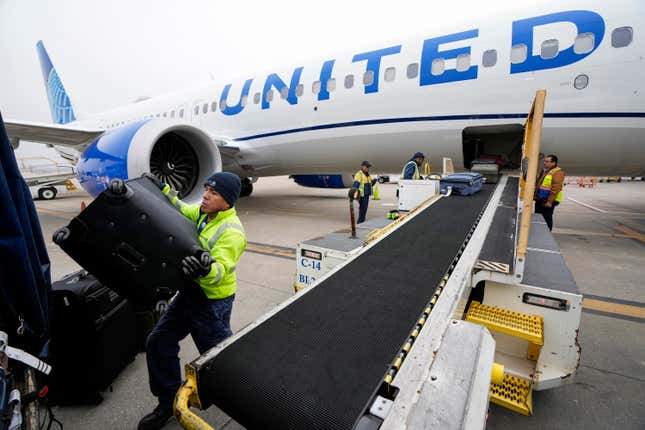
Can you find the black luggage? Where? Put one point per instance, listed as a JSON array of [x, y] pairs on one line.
[[133, 242], [93, 338]]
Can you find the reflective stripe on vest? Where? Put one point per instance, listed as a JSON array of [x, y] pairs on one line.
[[545, 187], [416, 175], [220, 232]]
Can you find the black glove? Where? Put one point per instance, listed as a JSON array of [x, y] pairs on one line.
[[373, 182], [353, 192], [154, 180], [193, 268]]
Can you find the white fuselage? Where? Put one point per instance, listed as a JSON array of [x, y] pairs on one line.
[[598, 129]]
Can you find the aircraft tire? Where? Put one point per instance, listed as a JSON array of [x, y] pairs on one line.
[[247, 187]]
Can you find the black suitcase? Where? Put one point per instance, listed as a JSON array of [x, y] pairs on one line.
[[133, 242], [93, 338]]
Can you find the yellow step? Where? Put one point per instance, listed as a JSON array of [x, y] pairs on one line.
[[523, 326], [513, 393]]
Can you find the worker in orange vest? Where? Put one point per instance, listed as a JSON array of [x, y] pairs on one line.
[[548, 193]]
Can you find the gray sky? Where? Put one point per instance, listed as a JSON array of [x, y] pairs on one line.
[[110, 53]]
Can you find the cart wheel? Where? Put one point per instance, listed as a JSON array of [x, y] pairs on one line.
[[47, 193]]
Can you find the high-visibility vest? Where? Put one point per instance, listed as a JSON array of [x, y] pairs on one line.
[[362, 179], [416, 170], [223, 237], [544, 190]]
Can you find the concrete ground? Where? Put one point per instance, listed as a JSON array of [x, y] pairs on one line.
[[602, 235]]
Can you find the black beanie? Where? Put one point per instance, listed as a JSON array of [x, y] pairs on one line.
[[227, 184]]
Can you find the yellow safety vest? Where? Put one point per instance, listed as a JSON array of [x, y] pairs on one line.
[[416, 175], [223, 237], [545, 187], [362, 179]]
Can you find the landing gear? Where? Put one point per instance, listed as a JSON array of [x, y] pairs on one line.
[[247, 187]]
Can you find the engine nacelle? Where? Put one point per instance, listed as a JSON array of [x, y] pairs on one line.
[[179, 154], [324, 181]]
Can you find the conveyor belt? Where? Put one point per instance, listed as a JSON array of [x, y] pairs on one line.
[[318, 362], [498, 252]]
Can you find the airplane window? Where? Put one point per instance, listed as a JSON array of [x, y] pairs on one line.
[[181, 113], [390, 74], [300, 89], [284, 93], [489, 58], [269, 95], [164, 115], [256, 98], [205, 108], [331, 84], [463, 62], [222, 105], [438, 66], [368, 78], [245, 99], [213, 106], [622, 37], [584, 43], [196, 110], [315, 87], [349, 81], [518, 53], [172, 114], [549, 49], [158, 115], [413, 70]]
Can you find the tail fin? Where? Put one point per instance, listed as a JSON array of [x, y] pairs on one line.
[[59, 103]]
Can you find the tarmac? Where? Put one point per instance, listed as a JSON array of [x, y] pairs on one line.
[[601, 233]]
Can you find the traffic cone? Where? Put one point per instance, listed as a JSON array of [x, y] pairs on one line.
[[376, 195]]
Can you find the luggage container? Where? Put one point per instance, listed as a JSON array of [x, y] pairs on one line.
[[133, 242], [414, 192]]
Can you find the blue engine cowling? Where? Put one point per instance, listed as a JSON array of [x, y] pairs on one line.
[[181, 154], [324, 181]]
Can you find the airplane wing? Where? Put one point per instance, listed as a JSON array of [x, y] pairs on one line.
[[77, 138]]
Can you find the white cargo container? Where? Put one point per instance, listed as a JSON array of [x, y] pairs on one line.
[[414, 192]]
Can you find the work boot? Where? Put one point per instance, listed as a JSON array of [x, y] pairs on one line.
[[155, 419]]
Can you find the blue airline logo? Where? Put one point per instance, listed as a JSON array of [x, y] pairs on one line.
[[586, 22]]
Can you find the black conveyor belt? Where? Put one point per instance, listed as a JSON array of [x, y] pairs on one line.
[[317, 363], [498, 251]]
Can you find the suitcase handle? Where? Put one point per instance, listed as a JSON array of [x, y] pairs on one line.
[[130, 255]]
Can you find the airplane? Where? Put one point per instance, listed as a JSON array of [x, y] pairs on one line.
[[462, 93]]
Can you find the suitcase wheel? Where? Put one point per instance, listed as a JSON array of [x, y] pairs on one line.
[[61, 235]]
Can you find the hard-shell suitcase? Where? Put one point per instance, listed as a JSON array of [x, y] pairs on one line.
[[465, 184], [93, 338], [487, 167], [133, 242]]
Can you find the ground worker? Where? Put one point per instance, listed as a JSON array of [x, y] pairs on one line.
[[411, 168], [362, 188], [548, 193], [203, 308]]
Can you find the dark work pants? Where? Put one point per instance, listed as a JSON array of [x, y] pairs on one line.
[[547, 213], [206, 320], [362, 208]]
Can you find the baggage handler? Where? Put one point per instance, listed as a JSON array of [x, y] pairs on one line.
[[411, 168], [362, 187], [548, 193], [203, 308]]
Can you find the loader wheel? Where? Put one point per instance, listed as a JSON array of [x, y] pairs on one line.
[[47, 193]]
